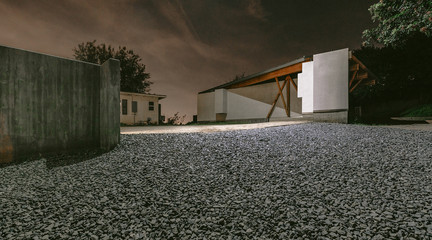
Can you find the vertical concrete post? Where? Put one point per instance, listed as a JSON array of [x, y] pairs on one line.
[[109, 104]]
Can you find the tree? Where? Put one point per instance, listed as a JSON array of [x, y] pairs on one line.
[[397, 20], [132, 71], [404, 71]]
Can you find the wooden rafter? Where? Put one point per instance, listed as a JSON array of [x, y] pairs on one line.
[[361, 75], [296, 68]]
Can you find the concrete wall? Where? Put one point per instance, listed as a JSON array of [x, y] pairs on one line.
[[143, 112], [240, 107], [330, 90], [220, 101], [206, 107], [305, 87], [109, 92], [54, 104], [330, 77], [295, 101]]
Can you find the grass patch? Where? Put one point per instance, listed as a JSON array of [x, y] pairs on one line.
[[419, 111]]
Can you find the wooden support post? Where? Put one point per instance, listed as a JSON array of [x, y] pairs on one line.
[[288, 80]]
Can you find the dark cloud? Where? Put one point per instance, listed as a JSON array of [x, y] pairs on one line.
[[188, 46]]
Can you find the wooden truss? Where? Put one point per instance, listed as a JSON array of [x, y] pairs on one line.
[[360, 75], [286, 71], [288, 81]]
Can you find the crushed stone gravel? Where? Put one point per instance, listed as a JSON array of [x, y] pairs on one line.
[[307, 181]]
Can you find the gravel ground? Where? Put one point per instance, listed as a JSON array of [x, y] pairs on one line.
[[204, 128], [306, 181]]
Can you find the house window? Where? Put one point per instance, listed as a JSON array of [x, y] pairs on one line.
[[124, 106], [151, 106], [134, 106]]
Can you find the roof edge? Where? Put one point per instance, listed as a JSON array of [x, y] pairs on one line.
[[298, 60]]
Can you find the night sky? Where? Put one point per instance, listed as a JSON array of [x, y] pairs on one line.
[[188, 45]]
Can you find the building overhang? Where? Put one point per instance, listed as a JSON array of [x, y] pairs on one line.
[[159, 96], [292, 67]]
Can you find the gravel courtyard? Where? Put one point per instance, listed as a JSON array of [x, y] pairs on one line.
[[305, 181]]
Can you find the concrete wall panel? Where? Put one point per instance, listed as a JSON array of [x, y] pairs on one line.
[[305, 87], [206, 107], [330, 78], [220, 100], [49, 103], [109, 110], [295, 101], [240, 107]]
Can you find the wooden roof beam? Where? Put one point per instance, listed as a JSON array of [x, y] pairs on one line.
[[296, 68]]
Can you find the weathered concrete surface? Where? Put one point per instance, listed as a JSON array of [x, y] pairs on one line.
[[109, 104], [49, 104], [333, 117], [330, 81]]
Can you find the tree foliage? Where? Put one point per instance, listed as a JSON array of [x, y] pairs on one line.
[[132, 71], [404, 72], [397, 20]]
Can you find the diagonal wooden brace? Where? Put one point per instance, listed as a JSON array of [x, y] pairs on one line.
[[276, 98], [282, 96]]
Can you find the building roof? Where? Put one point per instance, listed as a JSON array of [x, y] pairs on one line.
[[159, 96], [226, 85]]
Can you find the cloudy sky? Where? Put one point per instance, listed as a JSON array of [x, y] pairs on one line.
[[188, 45]]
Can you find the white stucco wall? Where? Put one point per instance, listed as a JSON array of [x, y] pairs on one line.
[[305, 87], [220, 100], [263, 92], [206, 107], [330, 81], [240, 107]]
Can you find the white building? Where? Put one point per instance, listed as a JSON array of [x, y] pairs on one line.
[[138, 108], [315, 87]]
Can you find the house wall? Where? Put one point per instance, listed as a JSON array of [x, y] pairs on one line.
[[330, 85], [241, 108], [143, 112], [295, 101], [246, 103], [206, 107], [55, 104]]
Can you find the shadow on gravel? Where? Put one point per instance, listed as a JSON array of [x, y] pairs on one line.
[[59, 159], [66, 159]]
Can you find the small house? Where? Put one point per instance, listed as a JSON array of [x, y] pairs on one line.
[[139, 108]]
